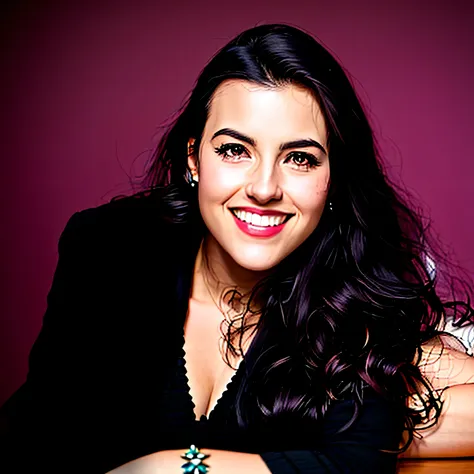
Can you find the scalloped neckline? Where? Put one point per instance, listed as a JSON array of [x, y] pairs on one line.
[[222, 396]]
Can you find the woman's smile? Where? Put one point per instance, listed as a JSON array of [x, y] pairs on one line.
[[257, 224]]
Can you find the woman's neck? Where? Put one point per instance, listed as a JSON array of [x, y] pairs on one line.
[[215, 271]]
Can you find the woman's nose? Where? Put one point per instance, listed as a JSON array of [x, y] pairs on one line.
[[263, 186]]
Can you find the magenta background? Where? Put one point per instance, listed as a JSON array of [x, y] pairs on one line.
[[84, 88]]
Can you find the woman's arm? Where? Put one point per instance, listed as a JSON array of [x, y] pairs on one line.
[[89, 369], [48, 419], [170, 462], [453, 435], [452, 372]]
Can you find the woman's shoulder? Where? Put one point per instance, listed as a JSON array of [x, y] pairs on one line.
[[125, 232], [144, 207], [139, 217]]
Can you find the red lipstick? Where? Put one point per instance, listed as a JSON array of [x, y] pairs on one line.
[[259, 231]]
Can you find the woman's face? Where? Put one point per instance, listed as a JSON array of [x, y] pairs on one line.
[[263, 171]]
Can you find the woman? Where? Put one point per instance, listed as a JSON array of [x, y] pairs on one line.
[[265, 300]]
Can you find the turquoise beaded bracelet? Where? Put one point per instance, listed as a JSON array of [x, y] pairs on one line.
[[194, 464]]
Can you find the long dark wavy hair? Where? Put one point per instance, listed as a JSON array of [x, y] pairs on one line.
[[351, 307]]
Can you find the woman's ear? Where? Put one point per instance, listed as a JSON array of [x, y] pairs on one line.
[[193, 160]]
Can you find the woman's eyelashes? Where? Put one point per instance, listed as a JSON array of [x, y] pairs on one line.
[[299, 159], [227, 151], [303, 160]]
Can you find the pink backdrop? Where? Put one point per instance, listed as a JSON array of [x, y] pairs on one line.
[[85, 85]]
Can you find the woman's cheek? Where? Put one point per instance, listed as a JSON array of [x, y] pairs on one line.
[[220, 181], [308, 195]]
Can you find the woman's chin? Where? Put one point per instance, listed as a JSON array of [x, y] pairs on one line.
[[257, 263]]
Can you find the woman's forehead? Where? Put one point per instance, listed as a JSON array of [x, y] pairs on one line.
[[284, 110]]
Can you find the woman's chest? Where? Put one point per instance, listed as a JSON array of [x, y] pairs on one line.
[[207, 372]]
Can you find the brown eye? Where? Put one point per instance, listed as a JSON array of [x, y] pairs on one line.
[[230, 150], [300, 160], [303, 160]]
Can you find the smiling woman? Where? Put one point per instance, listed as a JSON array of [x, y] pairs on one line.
[[264, 305]]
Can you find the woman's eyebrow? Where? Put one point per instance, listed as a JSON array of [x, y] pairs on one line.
[[303, 143], [234, 134]]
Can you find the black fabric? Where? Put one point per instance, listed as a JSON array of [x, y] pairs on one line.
[[107, 383]]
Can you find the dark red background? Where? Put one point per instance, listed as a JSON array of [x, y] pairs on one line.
[[85, 85]]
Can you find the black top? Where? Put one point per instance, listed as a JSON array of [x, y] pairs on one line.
[[178, 422], [107, 381], [301, 450]]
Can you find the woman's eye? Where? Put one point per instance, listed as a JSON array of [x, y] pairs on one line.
[[303, 160], [230, 151]]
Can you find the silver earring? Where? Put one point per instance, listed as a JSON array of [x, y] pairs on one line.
[[190, 180], [330, 206]]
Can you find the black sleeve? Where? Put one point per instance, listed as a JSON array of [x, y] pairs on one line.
[[360, 449], [94, 370], [35, 422]]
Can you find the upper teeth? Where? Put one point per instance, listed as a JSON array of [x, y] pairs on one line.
[[256, 219]]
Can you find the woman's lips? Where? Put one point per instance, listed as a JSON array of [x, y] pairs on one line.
[[258, 231]]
